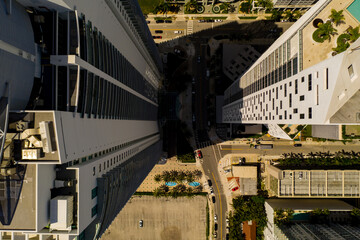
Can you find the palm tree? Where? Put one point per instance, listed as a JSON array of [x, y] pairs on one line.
[[337, 17], [173, 175], [181, 177], [191, 6], [158, 192], [164, 188], [189, 192], [166, 176], [289, 15], [297, 14], [326, 30], [354, 33], [197, 173], [157, 178], [276, 15], [190, 177]]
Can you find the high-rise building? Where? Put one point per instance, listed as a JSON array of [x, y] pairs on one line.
[[78, 114], [336, 222], [301, 81]]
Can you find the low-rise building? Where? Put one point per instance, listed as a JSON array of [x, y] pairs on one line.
[[313, 183], [303, 224]]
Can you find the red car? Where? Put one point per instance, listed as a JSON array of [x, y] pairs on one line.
[[235, 188], [199, 154], [154, 37]]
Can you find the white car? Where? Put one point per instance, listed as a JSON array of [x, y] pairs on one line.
[[177, 32], [218, 20], [215, 218], [211, 190], [141, 223]]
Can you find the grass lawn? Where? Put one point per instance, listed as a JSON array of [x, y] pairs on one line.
[[148, 5], [352, 129]]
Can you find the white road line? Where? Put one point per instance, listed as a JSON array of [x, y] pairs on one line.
[[212, 147]]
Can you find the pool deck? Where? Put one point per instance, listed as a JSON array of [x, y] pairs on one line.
[[149, 184], [314, 52]]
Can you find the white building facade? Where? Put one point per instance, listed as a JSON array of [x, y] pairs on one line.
[[277, 90], [79, 115]]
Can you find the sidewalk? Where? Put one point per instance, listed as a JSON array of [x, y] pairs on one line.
[[229, 16]]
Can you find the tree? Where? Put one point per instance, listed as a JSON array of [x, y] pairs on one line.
[[166, 176], [337, 17], [245, 7], [267, 4], [283, 216], [189, 192], [324, 32], [197, 173], [190, 177], [355, 212], [191, 6], [181, 177], [297, 14], [289, 15], [354, 33], [276, 15], [157, 178]]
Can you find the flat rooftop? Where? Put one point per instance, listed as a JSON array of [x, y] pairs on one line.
[[314, 52], [310, 204], [25, 213]]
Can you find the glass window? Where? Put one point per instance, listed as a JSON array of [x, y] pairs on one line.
[[94, 192], [351, 71], [94, 211]]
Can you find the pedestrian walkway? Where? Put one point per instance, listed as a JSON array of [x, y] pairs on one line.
[[190, 27]]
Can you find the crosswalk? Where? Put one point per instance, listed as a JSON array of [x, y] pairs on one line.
[[190, 27]]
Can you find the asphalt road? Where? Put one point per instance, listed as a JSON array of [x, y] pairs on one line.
[[211, 157], [287, 147]]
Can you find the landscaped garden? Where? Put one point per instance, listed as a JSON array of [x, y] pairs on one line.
[[247, 208], [325, 31], [178, 183], [312, 160]]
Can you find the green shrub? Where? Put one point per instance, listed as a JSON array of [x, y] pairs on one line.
[[317, 37], [216, 9]]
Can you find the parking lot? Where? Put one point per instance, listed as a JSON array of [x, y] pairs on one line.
[[163, 219]]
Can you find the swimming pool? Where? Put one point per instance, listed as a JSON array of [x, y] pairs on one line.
[[171, 184], [354, 9], [194, 184]]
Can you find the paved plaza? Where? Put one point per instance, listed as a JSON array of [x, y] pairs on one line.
[[163, 219]]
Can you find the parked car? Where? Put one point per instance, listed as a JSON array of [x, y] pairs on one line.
[[301, 175], [159, 21], [198, 59], [201, 20], [218, 20], [159, 31], [215, 227], [210, 20], [234, 189], [209, 182], [215, 218], [215, 235], [168, 21], [241, 160], [199, 154], [297, 145], [177, 32], [213, 199], [147, 22], [211, 190], [141, 223], [155, 37]]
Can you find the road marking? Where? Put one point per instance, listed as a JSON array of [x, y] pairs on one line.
[[212, 146], [225, 149], [217, 146], [170, 29], [220, 206]]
